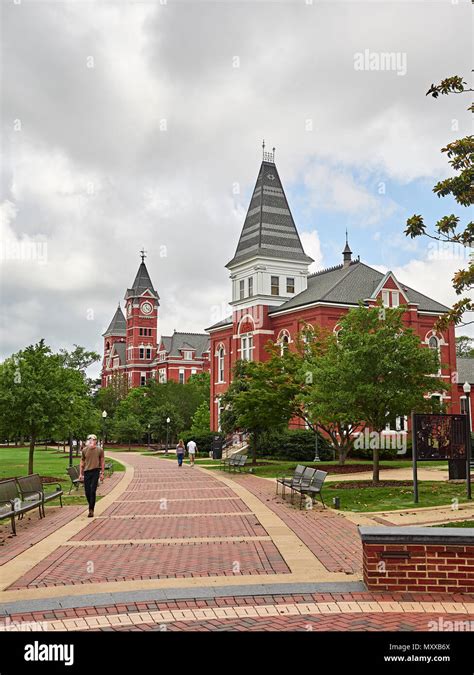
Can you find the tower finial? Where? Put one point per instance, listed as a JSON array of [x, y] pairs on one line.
[[143, 254], [268, 156], [347, 253]]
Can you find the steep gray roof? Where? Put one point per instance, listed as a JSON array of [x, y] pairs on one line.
[[118, 325], [269, 229], [224, 322], [349, 285], [199, 342], [119, 348], [465, 370], [142, 283]]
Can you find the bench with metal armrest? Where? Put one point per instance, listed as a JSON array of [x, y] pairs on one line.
[[73, 473], [239, 464], [312, 487], [32, 485], [12, 503], [288, 481]]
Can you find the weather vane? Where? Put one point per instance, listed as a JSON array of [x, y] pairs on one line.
[[143, 254]]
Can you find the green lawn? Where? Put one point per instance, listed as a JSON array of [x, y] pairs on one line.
[[277, 467], [14, 462], [462, 523], [431, 493]]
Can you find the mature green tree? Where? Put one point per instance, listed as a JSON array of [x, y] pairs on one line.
[[39, 394], [79, 358], [383, 369], [259, 399], [201, 419], [127, 429], [108, 398], [465, 347], [448, 229], [160, 428]]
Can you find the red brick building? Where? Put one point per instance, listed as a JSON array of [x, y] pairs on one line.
[[132, 349], [274, 296]]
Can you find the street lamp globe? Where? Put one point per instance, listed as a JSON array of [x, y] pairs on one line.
[[466, 388], [104, 414], [168, 420]]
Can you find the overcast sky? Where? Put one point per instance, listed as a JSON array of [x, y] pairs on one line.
[[130, 124]]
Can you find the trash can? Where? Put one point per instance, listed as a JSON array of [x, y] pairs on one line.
[[217, 444]]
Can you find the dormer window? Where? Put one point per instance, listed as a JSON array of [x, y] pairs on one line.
[[275, 285], [386, 298], [290, 284], [250, 287], [188, 356], [242, 289]]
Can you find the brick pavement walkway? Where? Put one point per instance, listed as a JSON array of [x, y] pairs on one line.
[[183, 524], [333, 539]]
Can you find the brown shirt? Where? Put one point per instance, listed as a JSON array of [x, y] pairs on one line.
[[92, 457]]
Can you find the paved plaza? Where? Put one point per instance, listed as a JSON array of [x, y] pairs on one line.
[[190, 549]]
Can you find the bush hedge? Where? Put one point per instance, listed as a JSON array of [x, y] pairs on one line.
[[203, 440], [293, 445]]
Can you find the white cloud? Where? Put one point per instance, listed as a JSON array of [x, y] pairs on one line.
[[173, 188]]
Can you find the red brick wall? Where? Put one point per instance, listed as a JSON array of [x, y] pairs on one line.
[[433, 568]]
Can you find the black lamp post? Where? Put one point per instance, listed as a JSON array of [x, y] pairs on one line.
[[167, 433], [316, 448], [71, 401], [467, 390], [104, 417]]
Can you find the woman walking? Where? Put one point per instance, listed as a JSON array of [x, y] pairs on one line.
[[180, 452]]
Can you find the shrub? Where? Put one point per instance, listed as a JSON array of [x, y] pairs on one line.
[[203, 440], [293, 445]]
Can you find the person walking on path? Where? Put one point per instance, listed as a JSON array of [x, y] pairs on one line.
[[192, 449], [91, 468], [180, 452]]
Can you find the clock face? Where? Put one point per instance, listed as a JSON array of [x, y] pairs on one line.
[[147, 308]]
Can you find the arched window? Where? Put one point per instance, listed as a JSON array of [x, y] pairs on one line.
[[283, 340], [107, 345], [433, 342], [220, 354], [246, 328]]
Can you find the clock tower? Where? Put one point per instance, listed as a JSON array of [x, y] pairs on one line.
[[141, 312]]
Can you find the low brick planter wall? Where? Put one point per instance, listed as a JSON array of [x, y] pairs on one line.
[[424, 559]]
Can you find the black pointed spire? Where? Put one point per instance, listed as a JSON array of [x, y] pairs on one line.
[[118, 325], [269, 229], [347, 253], [142, 280]]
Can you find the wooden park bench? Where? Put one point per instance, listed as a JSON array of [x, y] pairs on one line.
[[311, 485], [287, 481], [32, 485], [12, 503]]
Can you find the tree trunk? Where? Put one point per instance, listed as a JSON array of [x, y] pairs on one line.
[[342, 459], [254, 449], [31, 454], [376, 474]]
